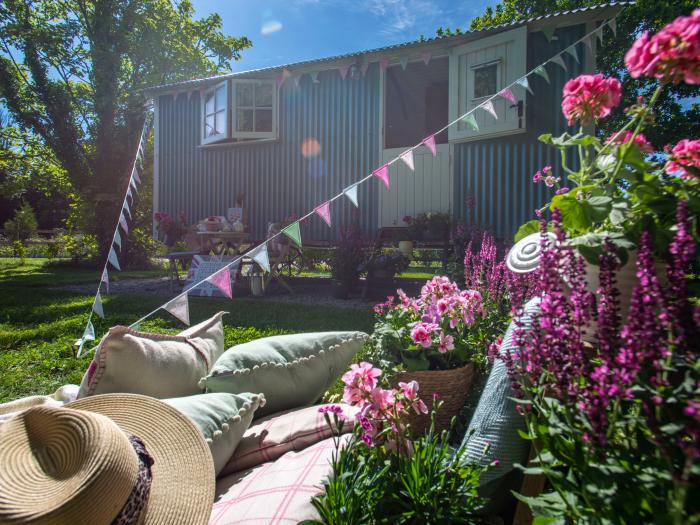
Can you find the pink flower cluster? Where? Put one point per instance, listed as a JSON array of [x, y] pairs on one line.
[[685, 155], [545, 174], [589, 97], [380, 408], [671, 55], [640, 140]]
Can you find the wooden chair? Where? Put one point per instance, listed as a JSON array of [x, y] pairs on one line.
[[277, 252], [184, 258]]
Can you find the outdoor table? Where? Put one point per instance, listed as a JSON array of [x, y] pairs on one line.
[[230, 239]]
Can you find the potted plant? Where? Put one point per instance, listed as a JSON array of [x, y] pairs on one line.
[[347, 261], [386, 265]]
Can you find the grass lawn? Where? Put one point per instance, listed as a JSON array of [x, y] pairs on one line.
[[38, 325]]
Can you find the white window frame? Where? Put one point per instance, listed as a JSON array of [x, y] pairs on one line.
[[225, 133], [275, 111], [462, 88]]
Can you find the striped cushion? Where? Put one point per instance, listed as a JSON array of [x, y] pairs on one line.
[[495, 420]]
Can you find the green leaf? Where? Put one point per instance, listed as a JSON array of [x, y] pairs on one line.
[[526, 229], [573, 213]]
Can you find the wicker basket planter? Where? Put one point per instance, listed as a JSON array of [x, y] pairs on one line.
[[452, 386]]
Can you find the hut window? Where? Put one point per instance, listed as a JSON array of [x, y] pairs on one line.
[[215, 113], [255, 109], [479, 70]]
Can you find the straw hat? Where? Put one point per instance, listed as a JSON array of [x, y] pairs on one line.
[[82, 464]]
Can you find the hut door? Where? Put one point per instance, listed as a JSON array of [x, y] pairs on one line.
[[416, 105]]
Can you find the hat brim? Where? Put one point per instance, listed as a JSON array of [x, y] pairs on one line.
[[182, 487]]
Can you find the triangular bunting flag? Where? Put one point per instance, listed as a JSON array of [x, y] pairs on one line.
[[470, 120], [222, 280], [293, 232], [314, 77], [548, 33], [343, 70], [136, 176], [524, 83], [351, 193], [589, 42], [613, 25], [260, 256], [364, 67], [383, 64], [189, 95], [488, 106], [136, 326], [426, 56], [407, 158], [105, 279], [128, 193], [88, 335], [123, 223], [558, 60], [599, 33], [179, 308], [297, 79], [541, 71], [117, 238], [112, 258], [97, 305], [571, 50], [404, 62], [139, 153], [132, 184], [283, 77], [324, 211], [508, 95], [125, 207], [383, 175], [429, 142]]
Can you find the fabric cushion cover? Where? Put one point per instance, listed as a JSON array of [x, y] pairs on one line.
[[290, 370], [156, 365], [222, 419]]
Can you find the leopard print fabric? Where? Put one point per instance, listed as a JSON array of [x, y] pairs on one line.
[[139, 496]]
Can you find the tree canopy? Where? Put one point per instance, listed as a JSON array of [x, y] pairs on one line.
[[71, 72], [677, 112]]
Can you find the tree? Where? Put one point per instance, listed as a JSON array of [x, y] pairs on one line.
[[71, 72], [677, 115]]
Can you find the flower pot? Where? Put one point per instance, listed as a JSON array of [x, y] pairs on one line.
[[406, 247], [451, 386], [340, 289], [256, 285]]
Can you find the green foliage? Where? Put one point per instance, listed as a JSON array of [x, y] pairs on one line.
[[372, 485], [23, 224], [349, 255], [19, 250], [79, 246], [677, 112]]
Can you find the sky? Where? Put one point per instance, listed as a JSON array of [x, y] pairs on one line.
[[286, 31]]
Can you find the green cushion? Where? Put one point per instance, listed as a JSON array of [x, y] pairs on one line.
[[290, 370], [222, 418]]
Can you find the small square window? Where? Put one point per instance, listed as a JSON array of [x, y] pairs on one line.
[[255, 103], [485, 80]]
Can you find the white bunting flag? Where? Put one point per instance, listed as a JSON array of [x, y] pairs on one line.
[[589, 42], [123, 223], [179, 308], [524, 83], [613, 26], [125, 207], [571, 51], [488, 107], [343, 70], [314, 77], [351, 193], [97, 305], [136, 176], [599, 33], [117, 238], [105, 279], [404, 62], [112, 258], [260, 256], [222, 280], [429, 142], [132, 184], [88, 335], [558, 60], [364, 67], [426, 56], [129, 194], [407, 158]]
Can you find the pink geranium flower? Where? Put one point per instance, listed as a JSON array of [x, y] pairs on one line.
[[589, 97], [671, 55], [640, 140], [685, 155], [536, 177], [447, 342], [421, 334], [362, 376]]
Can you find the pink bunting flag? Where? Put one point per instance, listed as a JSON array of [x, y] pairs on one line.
[[407, 158], [508, 95], [426, 56], [364, 67], [179, 308], [488, 106], [383, 175], [429, 142], [343, 70], [383, 64], [222, 280], [105, 279], [123, 223], [324, 211]]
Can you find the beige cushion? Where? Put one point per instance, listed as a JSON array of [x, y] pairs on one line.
[[156, 365]]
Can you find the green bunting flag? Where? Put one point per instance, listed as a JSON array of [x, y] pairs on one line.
[[470, 120], [541, 71], [548, 33], [571, 50], [613, 26], [558, 60], [293, 232]]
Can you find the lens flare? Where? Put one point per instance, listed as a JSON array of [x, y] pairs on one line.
[[310, 148]]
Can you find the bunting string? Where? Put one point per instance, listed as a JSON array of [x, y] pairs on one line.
[[178, 306]]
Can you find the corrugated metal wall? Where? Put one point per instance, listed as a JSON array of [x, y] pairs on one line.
[[496, 175], [343, 116]]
